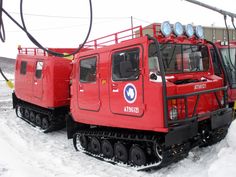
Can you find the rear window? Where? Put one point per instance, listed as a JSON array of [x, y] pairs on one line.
[[88, 69], [23, 67], [39, 68]]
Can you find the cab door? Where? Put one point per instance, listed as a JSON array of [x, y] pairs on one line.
[[126, 84], [88, 84], [38, 81]]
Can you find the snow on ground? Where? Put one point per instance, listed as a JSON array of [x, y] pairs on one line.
[[26, 152]]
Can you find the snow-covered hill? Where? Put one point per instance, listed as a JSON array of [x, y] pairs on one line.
[[26, 152], [7, 64]]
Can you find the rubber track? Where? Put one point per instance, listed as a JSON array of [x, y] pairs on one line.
[[55, 124], [170, 155]]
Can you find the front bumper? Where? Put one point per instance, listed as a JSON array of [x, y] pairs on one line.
[[221, 118], [188, 129]]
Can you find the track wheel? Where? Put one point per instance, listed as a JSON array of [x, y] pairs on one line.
[[45, 123], [22, 111], [38, 120], [27, 114], [95, 145], [137, 156], [19, 111], [83, 140], [158, 151], [121, 153], [107, 149], [32, 117]]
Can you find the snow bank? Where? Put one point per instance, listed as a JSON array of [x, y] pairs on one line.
[[231, 137], [8, 75], [225, 164]]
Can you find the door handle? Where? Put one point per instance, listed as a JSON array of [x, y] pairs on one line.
[[81, 88], [115, 87]]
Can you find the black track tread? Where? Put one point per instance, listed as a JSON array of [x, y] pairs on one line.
[[169, 155], [216, 136], [55, 124]]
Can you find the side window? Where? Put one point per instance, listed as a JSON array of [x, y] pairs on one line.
[[216, 65], [125, 65], [153, 62], [39, 68], [23, 67], [88, 70]]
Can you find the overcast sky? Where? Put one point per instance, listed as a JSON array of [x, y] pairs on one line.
[[109, 16]]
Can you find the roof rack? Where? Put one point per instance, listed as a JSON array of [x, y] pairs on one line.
[[101, 42], [124, 35], [31, 51], [40, 52]]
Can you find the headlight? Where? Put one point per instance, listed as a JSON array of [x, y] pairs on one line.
[[224, 43], [199, 32], [189, 30], [173, 113], [178, 29], [166, 28]]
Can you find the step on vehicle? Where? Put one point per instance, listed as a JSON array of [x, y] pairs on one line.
[[145, 97]]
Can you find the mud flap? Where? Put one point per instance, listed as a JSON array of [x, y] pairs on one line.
[[14, 100], [70, 126], [221, 118], [180, 134]]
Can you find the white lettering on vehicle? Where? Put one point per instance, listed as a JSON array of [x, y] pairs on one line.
[[199, 86], [131, 109]]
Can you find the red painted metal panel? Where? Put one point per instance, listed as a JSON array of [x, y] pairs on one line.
[[49, 91], [88, 92]]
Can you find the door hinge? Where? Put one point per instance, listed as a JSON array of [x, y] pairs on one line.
[[144, 107], [142, 71]]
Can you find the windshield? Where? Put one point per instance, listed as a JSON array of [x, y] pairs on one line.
[[230, 63], [179, 58]]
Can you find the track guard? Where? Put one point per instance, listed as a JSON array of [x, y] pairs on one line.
[[70, 126], [178, 135], [221, 118]]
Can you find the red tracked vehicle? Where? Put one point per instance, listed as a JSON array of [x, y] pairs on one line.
[[41, 95], [228, 60], [140, 99], [147, 100]]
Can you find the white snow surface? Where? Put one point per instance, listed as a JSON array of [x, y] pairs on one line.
[[27, 152]]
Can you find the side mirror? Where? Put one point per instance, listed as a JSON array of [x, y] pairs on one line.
[[153, 76]]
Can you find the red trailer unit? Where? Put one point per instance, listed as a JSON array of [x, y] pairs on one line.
[[145, 100], [42, 81]]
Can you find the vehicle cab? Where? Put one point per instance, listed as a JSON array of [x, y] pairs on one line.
[[161, 82]]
